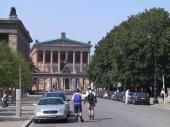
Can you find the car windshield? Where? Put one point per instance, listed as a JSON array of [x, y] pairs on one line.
[[50, 101], [130, 93], [141, 94], [62, 95]]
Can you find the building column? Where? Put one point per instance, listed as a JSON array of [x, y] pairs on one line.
[[63, 83], [74, 62], [12, 38], [66, 55], [51, 84], [88, 58], [44, 84], [51, 62], [58, 61], [36, 61], [43, 60], [81, 61]]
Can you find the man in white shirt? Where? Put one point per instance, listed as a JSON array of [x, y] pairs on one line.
[[126, 96]]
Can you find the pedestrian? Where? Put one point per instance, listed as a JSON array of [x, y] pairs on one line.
[[77, 105], [91, 99], [162, 95], [168, 95], [5, 100], [126, 96]]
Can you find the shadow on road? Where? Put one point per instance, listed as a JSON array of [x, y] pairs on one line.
[[98, 120]]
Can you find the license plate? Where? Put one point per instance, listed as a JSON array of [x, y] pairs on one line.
[[48, 116]]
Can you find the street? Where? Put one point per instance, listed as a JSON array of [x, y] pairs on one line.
[[116, 114]]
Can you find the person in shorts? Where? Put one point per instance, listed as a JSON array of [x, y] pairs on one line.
[[91, 99], [77, 105]]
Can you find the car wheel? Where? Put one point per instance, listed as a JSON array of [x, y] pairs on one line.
[[65, 120], [36, 121]]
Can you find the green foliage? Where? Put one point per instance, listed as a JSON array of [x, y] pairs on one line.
[[127, 54], [9, 68]]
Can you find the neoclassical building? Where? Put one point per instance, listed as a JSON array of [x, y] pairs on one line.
[[62, 63], [15, 35]]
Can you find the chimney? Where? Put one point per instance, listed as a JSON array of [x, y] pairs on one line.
[[63, 35]]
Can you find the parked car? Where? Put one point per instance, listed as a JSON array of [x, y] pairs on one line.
[[121, 96], [59, 94], [84, 95], [50, 108], [115, 95], [105, 95], [130, 95], [140, 98]]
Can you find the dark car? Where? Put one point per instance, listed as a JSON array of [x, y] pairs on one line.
[[121, 96], [140, 98]]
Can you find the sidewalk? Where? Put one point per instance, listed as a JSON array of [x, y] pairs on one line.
[[8, 116], [161, 103]]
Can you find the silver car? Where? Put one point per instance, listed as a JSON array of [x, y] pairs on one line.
[[59, 94], [50, 108]]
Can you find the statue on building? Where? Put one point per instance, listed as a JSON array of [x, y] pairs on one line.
[[13, 12], [66, 63]]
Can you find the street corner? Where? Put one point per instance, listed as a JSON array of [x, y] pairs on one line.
[[28, 122]]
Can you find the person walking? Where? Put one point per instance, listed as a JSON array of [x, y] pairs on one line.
[[126, 96], [77, 105], [91, 99], [5, 100]]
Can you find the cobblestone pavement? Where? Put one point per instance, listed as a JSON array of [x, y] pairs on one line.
[[8, 116]]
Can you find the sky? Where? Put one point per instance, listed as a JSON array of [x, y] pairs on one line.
[[81, 20]]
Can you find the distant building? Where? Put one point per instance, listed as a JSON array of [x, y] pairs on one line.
[[62, 63], [14, 33]]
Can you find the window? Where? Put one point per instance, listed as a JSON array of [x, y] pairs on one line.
[[85, 57], [70, 57], [77, 57], [40, 56], [47, 56], [55, 56]]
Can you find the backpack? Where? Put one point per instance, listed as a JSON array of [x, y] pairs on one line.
[[90, 96], [77, 99]]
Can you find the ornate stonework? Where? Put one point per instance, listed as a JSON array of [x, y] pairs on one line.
[[49, 57]]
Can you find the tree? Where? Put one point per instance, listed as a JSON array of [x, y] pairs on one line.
[[9, 68], [127, 54]]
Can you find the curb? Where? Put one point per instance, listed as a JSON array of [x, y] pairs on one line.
[[34, 95], [28, 122]]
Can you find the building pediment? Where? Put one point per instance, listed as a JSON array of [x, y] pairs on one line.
[[65, 41]]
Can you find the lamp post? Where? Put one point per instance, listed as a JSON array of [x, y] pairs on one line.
[[18, 96]]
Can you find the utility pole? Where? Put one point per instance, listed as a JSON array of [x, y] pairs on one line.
[[163, 79], [18, 96]]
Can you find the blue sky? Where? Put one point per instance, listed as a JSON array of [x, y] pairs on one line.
[[81, 20]]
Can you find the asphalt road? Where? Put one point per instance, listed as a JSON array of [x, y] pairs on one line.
[[110, 113]]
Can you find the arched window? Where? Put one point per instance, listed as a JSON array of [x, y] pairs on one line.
[[40, 56], [77, 57]]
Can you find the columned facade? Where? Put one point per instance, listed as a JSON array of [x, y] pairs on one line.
[[52, 55]]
